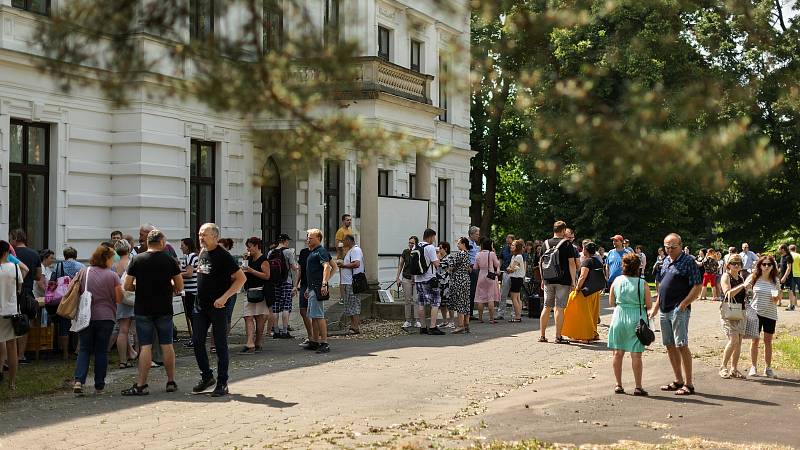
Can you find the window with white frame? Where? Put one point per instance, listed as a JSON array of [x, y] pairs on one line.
[[384, 43]]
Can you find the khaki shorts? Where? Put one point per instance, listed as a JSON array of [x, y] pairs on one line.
[[556, 295]]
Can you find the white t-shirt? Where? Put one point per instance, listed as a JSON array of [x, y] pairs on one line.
[[8, 288], [430, 255], [354, 254], [519, 272]]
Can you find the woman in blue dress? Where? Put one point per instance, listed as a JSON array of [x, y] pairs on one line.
[[630, 297]]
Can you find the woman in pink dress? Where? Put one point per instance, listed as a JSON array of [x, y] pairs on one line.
[[488, 291]]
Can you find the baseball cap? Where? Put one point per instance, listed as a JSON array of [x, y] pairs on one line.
[[283, 237], [617, 237]]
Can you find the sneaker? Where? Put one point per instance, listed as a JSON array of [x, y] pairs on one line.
[[204, 384], [753, 372], [286, 335], [77, 388], [188, 344], [418, 325], [450, 325], [156, 364], [24, 361], [305, 341], [220, 390], [324, 348], [310, 345], [406, 324], [276, 335], [790, 308], [423, 330], [435, 331], [769, 373]]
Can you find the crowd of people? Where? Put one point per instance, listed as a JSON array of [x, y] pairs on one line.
[[134, 285]]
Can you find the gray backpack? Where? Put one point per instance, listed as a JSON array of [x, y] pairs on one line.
[[549, 263]]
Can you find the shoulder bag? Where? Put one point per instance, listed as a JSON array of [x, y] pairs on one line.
[[360, 284], [491, 275], [84, 315], [730, 310], [595, 281], [68, 307], [19, 321], [643, 331]]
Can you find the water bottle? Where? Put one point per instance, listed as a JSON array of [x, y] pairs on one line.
[[43, 318]]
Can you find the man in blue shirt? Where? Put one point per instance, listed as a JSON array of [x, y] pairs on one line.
[[678, 283], [614, 259], [474, 237], [748, 259]]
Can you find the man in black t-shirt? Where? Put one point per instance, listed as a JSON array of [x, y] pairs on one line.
[[301, 285], [157, 279], [556, 292], [218, 279], [30, 258]]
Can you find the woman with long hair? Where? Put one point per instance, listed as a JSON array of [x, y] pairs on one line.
[[734, 291], [106, 289], [487, 292], [256, 311], [125, 350], [766, 296], [516, 270], [457, 264], [582, 312]]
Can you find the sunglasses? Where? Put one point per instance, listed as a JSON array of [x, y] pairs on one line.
[[735, 264], [766, 264]]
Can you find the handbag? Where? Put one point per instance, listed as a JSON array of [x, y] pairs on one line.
[[643, 331], [255, 295], [57, 286], [360, 284], [26, 302], [68, 307], [730, 310], [490, 275], [595, 282], [84, 315], [19, 321]]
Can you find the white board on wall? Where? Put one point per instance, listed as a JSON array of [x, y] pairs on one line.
[[399, 218]]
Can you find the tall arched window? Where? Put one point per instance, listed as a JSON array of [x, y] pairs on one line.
[[271, 203]]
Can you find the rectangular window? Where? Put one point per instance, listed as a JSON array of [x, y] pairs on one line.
[[272, 25], [202, 206], [412, 185], [29, 181], [416, 56], [35, 6], [444, 214], [332, 205], [383, 183], [443, 89], [333, 23], [201, 19], [383, 43]]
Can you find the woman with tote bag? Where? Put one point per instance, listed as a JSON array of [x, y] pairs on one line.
[[732, 316]]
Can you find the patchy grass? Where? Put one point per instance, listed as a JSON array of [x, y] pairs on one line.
[[37, 378], [674, 443], [786, 349]]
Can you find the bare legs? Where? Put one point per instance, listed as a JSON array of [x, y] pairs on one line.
[[681, 358], [146, 357], [517, 305], [636, 365], [767, 350], [491, 310], [319, 329], [9, 350], [124, 349], [732, 351]]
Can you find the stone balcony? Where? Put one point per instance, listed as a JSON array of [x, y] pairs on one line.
[[374, 75]]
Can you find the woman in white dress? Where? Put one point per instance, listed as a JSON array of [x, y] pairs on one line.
[[10, 280]]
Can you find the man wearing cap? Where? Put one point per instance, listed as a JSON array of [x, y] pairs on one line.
[[286, 289], [614, 258]]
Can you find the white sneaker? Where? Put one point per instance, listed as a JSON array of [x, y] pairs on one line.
[[769, 373], [753, 372], [406, 324], [418, 325], [450, 325]]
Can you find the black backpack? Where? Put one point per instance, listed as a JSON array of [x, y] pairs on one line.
[[417, 264], [278, 269], [549, 264]]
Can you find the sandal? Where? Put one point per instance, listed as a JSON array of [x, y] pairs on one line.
[[619, 390], [674, 386], [639, 392], [172, 386], [354, 331], [542, 339], [135, 390], [723, 373], [561, 340], [736, 374], [685, 390]]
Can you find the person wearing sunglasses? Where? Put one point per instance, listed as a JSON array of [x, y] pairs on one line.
[[766, 296], [733, 290]]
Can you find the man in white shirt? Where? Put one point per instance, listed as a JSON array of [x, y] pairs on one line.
[[351, 265], [428, 293], [748, 259]]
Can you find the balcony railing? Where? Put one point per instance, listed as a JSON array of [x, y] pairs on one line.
[[374, 75]]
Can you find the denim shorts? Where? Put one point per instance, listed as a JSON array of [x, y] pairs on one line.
[[147, 325], [794, 284], [675, 327], [316, 309]]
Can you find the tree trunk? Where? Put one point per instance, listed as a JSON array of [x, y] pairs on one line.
[[493, 152]]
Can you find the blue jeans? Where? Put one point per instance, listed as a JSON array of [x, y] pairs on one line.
[[229, 308], [202, 318], [146, 326], [94, 341], [675, 327]]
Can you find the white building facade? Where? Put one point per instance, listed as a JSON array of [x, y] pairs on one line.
[[73, 167]]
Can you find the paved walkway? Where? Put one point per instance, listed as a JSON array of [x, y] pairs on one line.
[[451, 390]]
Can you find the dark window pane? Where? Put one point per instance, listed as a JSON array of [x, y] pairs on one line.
[[36, 145], [412, 185], [383, 43], [15, 201], [193, 165], [416, 50], [273, 25], [36, 204], [18, 4], [39, 6], [16, 143], [206, 203], [193, 210], [206, 161]]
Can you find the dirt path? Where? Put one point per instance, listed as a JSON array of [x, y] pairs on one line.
[[447, 390]]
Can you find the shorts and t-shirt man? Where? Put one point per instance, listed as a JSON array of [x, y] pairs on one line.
[[427, 295], [315, 267], [352, 303], [153, 272], [556, 293], [675, 281]]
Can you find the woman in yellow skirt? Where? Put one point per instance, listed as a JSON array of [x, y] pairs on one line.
[[582, 312]]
